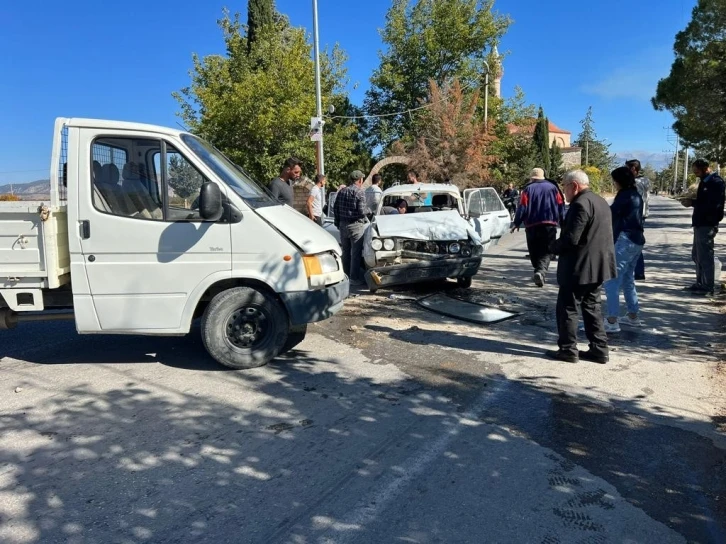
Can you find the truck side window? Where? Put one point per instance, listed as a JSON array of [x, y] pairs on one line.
[[184, 182], [123, 183]]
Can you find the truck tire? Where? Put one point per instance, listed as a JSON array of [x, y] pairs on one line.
[[464, 282], [244, 328], [295, 335]]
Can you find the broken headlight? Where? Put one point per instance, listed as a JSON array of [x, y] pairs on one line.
[[377, 244]]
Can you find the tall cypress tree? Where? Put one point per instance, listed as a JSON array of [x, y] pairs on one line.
[[542, 141], [260, 13], [555, 162]]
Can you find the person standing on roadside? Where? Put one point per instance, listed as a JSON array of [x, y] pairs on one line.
[[281, 186], [350, 218], [316, 200], [627, 218], [587, 259], [541, 209], [642, 184], [708, 211], [373, 195]]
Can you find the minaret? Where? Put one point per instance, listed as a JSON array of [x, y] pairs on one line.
[[498, 71]]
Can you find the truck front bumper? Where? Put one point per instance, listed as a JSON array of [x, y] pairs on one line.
[[311, 306], [402, 274]]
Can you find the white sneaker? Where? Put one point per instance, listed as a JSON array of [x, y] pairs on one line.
[[612, 327], [627, 320]]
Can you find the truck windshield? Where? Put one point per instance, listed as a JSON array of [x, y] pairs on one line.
[[233, 175]]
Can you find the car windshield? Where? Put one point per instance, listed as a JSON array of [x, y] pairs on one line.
[[233, 175], [423, 201]]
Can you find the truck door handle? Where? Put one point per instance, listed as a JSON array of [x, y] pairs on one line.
[[85, 229]]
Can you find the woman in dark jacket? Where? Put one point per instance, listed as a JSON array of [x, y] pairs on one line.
[[627, 212]]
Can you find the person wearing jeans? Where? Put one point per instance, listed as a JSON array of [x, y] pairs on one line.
[[627, 218]]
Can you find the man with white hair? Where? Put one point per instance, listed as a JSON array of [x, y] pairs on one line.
[[587, 260]]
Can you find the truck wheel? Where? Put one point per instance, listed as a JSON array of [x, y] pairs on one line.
[[464, 282], [295, 335], [244, 328]]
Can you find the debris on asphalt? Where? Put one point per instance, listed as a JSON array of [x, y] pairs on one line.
[[18, 389], [464, 310], [354, 328], [401, 297]]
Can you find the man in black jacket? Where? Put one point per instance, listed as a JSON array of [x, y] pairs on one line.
[[587, 259], [707, 214]]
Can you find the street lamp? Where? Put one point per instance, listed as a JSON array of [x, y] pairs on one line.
[[318, 94], [486, 93]]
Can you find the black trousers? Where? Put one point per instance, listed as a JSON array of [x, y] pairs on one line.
[[587, 297], [539, 240]]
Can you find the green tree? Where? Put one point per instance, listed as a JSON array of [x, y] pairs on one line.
[[260, 16], [256, 107], [183, 178], [429, 40], [693, 91], [594, 152], [541, 141], [513, 148], [556, 169]]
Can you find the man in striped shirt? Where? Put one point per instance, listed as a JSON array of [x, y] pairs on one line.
[[350, 217]]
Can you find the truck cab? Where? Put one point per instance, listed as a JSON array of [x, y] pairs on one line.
[[149, 228]]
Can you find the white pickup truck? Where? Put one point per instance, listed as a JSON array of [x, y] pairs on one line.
[[148, 228]]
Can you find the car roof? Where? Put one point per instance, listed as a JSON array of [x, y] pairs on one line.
[[410, 188]]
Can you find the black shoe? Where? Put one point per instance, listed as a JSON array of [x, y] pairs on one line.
[[560, 355], [696, 288], [539, 279], [593, 357], [639, 278]]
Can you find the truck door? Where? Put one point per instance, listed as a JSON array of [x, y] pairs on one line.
[[143, 243], [484, 205]]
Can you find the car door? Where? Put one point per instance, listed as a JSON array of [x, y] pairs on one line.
[[479, 220], [143, 244], [484, 202], [329, 220]]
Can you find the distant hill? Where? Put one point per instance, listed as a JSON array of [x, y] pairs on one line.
[[34, 190]]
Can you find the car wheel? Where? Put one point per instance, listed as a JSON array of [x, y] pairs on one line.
[[244, 328], [464, 282]]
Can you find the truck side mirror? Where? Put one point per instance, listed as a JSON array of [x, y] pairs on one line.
[[210, 202]]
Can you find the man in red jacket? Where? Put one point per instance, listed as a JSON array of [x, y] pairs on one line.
[[541, 209]]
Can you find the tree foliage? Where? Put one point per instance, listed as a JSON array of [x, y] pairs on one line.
[[594, 152], [9, 198], [555, 171], [429, 40], [693, 91], [260, 15], [256, 106], [541, 141], [451, 140], [183, 177]]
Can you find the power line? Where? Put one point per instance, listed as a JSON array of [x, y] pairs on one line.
[[402, 112]]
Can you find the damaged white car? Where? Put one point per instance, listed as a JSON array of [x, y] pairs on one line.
[[443, 234]]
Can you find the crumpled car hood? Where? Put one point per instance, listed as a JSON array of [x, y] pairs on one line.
[[442, 226]]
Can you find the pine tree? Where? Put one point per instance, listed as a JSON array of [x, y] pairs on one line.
[[555, 171], [542, 140], [260, 14]]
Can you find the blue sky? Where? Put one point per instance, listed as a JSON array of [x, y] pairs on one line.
[[84, 58]]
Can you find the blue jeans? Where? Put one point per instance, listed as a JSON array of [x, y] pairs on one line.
[[626, 257]]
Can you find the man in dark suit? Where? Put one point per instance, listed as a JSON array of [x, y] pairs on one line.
[[587, 259]]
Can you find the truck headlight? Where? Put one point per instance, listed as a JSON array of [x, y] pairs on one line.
[[377, 245], [324, 263], [388, 245]]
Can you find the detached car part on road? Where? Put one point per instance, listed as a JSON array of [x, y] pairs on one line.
[[442, 235], [121, 250]]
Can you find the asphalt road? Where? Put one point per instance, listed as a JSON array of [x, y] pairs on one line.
[[388, 424]]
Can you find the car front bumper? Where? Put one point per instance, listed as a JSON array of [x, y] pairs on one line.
[[402, 274], [311, 306]]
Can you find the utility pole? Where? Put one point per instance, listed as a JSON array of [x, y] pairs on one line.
[[318, 93], [685, 171], [486, 94], [675, 168]]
